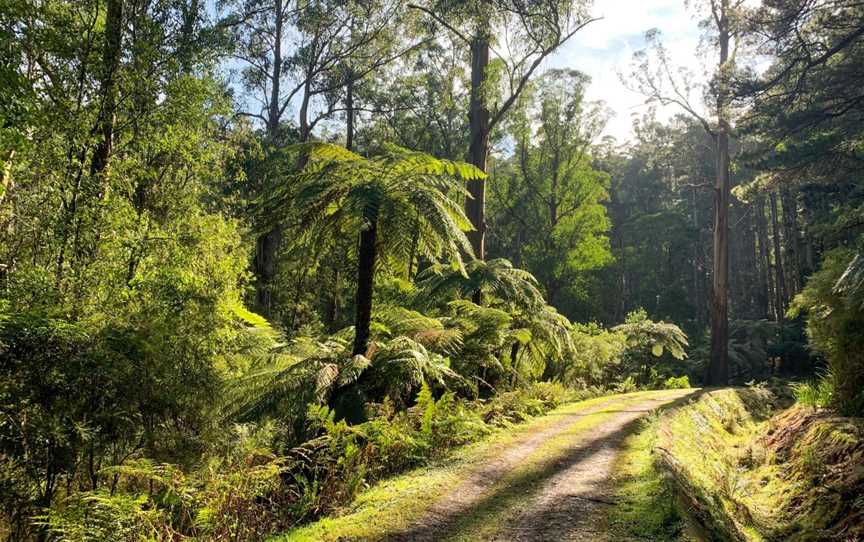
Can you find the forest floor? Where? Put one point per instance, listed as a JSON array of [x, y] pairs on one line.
[[549, 479]]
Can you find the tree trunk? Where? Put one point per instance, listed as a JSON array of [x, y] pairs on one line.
[[780, 280], [697, 243], [266, 247], [349, 113], [718, 368], [765, 286], [791, 240], [275, 104], [6, 174], [475, 207], [267, 244], [108, 85], [365, 282]]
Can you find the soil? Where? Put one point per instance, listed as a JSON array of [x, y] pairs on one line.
[[564, 501]]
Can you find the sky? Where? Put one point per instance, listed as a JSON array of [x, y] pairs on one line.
[[604, 49]]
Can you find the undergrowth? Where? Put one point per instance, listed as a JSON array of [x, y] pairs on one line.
[[746, 472], [249, 492]]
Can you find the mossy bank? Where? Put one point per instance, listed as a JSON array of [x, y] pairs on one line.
[[744, 465]]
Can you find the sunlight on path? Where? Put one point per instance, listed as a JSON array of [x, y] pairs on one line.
[[545, 480]]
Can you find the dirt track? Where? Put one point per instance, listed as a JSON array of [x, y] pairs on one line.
[[557, 497]]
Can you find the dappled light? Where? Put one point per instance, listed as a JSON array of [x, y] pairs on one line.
[[486, 270]]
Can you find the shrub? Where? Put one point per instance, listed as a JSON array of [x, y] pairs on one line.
[[675, 383], [835, 326], [246, 493]]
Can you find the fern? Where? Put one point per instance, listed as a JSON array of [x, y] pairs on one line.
[[497, 278]]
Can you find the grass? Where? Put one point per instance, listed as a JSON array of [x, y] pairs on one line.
[[392, 505], [709, 447], [747, 472], [647, 509]]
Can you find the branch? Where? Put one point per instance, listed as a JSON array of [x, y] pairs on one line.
[[441, 21], [527, 75]]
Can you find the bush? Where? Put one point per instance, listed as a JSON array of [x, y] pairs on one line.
[[246, 492], [835, 326], [638, 353], [677, 383], [75, 401]]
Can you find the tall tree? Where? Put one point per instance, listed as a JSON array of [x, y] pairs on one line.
[[108, 84], [548, 195], [304, 54], [534, 31], [656, 82]]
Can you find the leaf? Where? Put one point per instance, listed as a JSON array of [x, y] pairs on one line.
[[657, 350]]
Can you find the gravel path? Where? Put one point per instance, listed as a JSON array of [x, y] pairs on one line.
[[562, 499]]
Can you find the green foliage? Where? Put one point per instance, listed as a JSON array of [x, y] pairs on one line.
[[408, 195], [245, 492], [818, 393], [835, 320], [76, 401], [638, 353], [679, 382], [596, 357], [546, 204], [495, 278], [644, 335]]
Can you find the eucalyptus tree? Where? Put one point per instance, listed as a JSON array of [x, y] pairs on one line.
[[380, 198], [806, 114], [105, 86], [548, 194], [508, 41], [654, 77]]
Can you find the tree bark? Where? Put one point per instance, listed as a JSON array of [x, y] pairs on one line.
[[108, 86], [475, 207], [792, 241], [780, 279], [266, 247], [718, 368], [267, 244], [765, 281], [275, 104], [349, 113], [6, 174], [698, 299], [332, 316], [365, 282]]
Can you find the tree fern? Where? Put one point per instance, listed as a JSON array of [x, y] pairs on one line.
[[496, 277], [398, 201]]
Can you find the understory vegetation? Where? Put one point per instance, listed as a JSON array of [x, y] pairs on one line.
[[259, 255], [740, 464]]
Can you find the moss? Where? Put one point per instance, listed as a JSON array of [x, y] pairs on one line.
[[749, 477], [647, 506]]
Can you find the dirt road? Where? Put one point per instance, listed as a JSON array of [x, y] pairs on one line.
[[548, 480]]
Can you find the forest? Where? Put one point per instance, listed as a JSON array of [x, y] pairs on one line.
[[295, 269]]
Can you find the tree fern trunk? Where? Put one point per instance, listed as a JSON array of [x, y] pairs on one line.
[[365, 281], [265, 269]]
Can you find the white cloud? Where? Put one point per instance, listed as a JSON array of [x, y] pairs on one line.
[[604, 49]]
